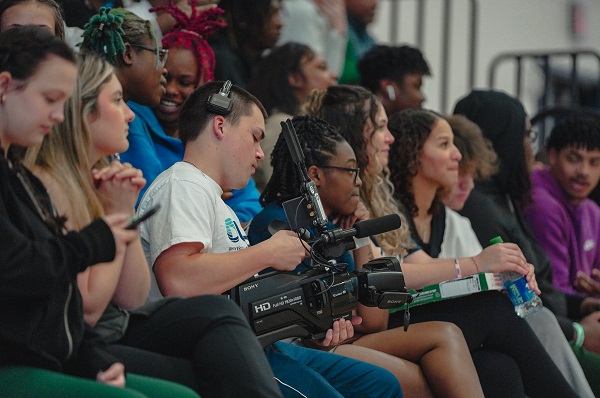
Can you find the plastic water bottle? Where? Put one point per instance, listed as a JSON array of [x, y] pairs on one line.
[[524, 299]]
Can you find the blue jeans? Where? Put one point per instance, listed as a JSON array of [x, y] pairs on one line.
[[317, 373]]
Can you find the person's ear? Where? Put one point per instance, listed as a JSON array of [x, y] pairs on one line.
[[5, 80], [316, 175], [218, 123], [128, 56], [295, 80], [552, 156]]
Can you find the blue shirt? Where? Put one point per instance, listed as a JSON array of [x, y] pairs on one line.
[[273, 211]]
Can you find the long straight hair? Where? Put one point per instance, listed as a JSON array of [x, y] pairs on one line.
[[65, 153]]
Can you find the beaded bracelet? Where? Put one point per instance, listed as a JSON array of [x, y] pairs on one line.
[[457, 269]]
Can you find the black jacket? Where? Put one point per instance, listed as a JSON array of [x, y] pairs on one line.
[[493, 206], [41, 315]]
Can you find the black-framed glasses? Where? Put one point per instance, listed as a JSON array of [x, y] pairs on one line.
[[356, 171], [161, 53]]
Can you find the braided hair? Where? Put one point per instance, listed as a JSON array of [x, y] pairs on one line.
[[107, 32], [318, 142], [349, 109], [190, 32]]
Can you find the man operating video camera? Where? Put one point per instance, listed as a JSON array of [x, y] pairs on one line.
[[195, 244]]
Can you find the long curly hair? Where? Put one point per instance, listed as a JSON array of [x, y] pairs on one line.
[[410, 128], [349, 109], [190, 32]]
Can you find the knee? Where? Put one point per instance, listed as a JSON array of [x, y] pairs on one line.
[[450, 333], [220, 306]]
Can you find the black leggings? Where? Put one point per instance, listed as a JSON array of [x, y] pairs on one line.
[[488, 321], [202, 342]]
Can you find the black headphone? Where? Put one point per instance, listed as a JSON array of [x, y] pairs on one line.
[[220, 103]]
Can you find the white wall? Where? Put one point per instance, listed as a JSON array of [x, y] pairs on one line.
[[504, 25]]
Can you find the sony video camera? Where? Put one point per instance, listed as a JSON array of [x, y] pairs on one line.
[[281, 305]]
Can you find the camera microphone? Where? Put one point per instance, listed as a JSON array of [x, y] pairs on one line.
[[362, 229]]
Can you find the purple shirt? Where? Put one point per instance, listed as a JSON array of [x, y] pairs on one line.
[[568, 233]]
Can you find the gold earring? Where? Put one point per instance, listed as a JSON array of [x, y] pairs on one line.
[[2, 98]]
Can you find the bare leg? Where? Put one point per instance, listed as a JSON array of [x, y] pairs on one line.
[[440, 350], [411, 377]]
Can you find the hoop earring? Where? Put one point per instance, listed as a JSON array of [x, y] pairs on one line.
[[2, 99]]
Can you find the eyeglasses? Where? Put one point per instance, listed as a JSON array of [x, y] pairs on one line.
[[532, 134], [348, 169], [161, 53]]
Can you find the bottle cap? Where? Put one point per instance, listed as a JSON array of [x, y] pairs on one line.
[[495, 240]]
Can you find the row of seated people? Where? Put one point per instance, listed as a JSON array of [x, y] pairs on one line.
[[125, 71]]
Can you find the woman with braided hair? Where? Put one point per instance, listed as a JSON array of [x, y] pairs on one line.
[[128, 43], [192, 61], [361, 119], [420, 357], [154, 144], [151, 148]]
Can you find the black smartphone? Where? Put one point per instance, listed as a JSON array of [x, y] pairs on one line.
[[135, 221]]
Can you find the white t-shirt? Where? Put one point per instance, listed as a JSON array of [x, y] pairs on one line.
[[191, 210], [459, 238]]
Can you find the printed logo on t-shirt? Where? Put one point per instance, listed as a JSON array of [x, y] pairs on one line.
[[588, 245], [234, 232]]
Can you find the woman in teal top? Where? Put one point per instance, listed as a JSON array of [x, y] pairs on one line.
[[421, 357]]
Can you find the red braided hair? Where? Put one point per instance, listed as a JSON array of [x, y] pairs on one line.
[[190, 32]]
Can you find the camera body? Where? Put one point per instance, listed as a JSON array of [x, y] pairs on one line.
[[280, 305]]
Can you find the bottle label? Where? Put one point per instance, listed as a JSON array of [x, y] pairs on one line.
[[519, 291]]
